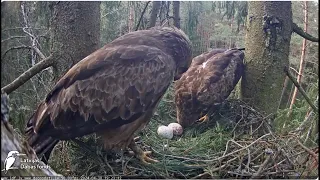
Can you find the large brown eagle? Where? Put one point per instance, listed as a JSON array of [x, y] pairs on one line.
[[207, 83], [112, 92]]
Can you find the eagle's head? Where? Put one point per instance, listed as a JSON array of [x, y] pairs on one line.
[[186, 118], [179, 45]]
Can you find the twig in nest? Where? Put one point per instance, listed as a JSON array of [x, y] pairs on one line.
[[309, 151], [242, 174], [226, 150], [263, 165], [238, 121], [282, 161], [244, 147], [257, 157], [249, 160], [279, 172], [215, 159], [236, 143], [287, 156], [215, 169], [262, 122]]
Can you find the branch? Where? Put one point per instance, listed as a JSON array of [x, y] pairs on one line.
[[295, 70], [286, 70], [315, 156], [298, 30], [261, 168], [26, 47], [12, 37], [15, 28], [47, 62], [144, 10]]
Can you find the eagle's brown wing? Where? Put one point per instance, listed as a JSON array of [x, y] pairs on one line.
[[207, 84], [109, 88], [205, 56]]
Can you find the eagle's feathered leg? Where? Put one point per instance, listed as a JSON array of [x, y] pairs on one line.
[[142, 155]]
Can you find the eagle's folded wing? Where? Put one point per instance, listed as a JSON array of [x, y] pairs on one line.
[[109, 88]]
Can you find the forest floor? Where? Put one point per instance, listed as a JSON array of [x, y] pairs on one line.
[[237, 142]]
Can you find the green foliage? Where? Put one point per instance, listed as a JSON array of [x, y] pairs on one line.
[[299, 113]]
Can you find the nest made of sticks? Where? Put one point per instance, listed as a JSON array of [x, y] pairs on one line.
[[237, 142]]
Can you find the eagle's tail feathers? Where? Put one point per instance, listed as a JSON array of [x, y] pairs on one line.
[[41, 143]]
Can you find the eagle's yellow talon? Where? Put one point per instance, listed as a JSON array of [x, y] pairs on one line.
[[204, 119], [142, 155], [145, 159]]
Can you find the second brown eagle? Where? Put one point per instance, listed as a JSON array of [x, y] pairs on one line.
[[207, 83]]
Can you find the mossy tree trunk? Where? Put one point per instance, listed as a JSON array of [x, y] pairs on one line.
[[267, 42], [75, 32]]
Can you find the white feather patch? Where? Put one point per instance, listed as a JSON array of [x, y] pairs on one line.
[[204, 64]]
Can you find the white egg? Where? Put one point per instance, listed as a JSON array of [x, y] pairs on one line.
[[177, 128], [165, 132]]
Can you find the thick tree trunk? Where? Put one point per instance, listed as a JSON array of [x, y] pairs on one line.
[[176, 13], [303, 54], [269, 27], [154, 12], [75, 32]]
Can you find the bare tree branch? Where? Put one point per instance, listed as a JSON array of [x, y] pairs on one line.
[[286, 70], [47, 62], [292, 68], [42, 56], [33, 38], [15, 28], [144, 10], [303, 34], [12, 37]]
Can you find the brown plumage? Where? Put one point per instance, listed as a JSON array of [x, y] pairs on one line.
[[112, 92], [208, 82]]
